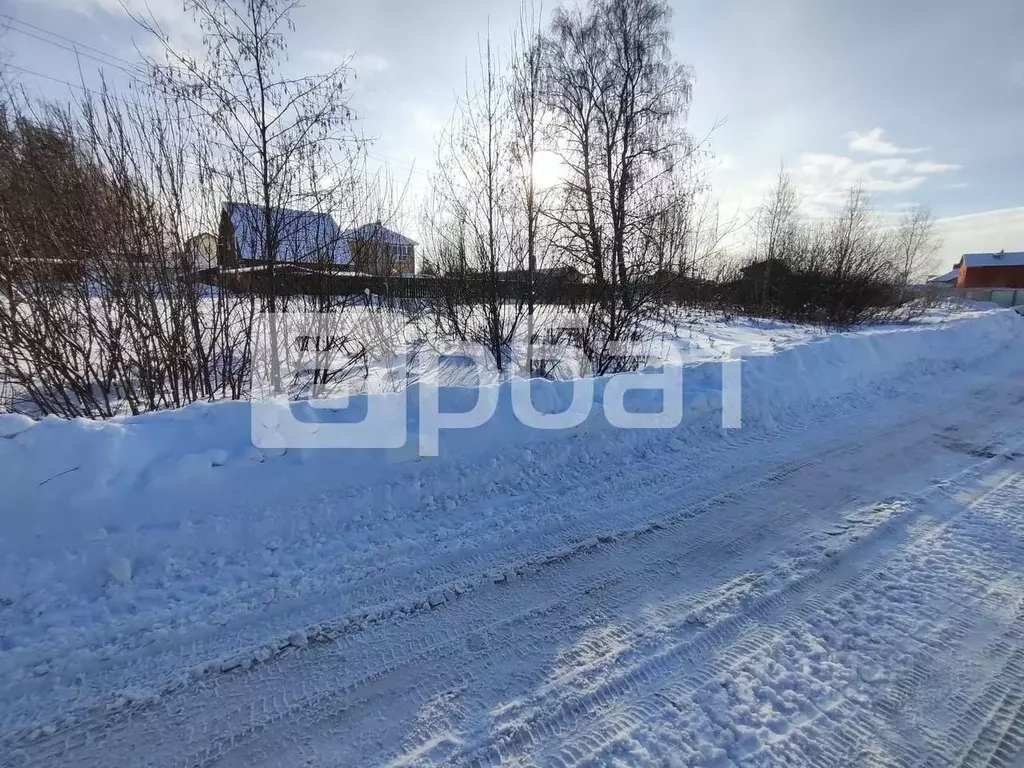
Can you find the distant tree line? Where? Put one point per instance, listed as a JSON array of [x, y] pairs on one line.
[[845, 270], [596, 91]]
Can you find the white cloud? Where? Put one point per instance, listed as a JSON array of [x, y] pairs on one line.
[[368, 63], [873, 143], [890, 166], [362, 63], [929, 167], [987, 231], [327, 58], [824, 181], [817, 165], [425, 120], [892, 185]]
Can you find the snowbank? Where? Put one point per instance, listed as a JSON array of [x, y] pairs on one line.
[[67, 463], [172, 531]]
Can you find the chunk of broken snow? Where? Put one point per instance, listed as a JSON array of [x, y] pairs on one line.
[[12, 424], [120, 569]]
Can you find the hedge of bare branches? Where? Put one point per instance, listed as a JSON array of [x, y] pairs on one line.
[[101, 310], [850, 269], [104, 309]]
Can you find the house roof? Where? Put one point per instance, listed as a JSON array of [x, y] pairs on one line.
[[303, 235], [1002, 259], [764, 265], [377, 233], [947, 277]]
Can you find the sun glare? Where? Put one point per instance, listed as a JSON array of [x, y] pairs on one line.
[[548, 169]]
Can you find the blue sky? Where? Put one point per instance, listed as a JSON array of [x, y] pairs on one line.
[[923, 101]]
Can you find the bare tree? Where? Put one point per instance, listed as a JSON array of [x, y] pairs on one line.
[[617, 100], [778, 220], [282, 141], [527, 72], [915, 241], [856, 244], [473, 222], [572, 88], [644, 92], [778, 233]]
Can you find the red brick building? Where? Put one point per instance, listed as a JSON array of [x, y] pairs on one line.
[[991, 270]]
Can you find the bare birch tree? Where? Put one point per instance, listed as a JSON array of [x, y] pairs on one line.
[[527, 73], [283, 142], [473, 222], [915, 242], [778, 220], [617, 99]]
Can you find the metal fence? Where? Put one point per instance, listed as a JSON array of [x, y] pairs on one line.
[[1011, 298], [1004, 297], [548, 288]]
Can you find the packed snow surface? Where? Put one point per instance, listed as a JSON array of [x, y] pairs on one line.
[[838, 582]]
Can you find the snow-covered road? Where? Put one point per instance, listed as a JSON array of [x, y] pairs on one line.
[[846, 588]]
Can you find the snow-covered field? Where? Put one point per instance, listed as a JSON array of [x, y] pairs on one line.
[[383, 347], [841, 581], [696, 336]]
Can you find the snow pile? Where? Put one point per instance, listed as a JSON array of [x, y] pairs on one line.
[[80, 461], [130, 537]]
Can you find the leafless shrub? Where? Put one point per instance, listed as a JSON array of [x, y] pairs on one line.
[[104, 311], [472, 220], [848, 270]]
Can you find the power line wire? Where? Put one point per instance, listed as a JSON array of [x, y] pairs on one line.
[[139, 71], [411, 168], [137, 104], [80, 87], [66, 39], [134, 74]]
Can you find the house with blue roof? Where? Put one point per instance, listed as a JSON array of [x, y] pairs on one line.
[[305, 237]]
